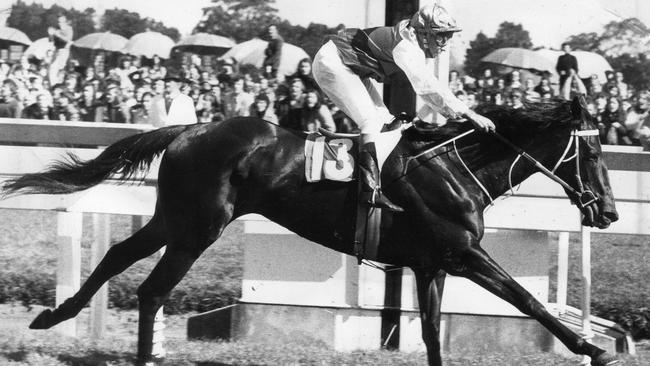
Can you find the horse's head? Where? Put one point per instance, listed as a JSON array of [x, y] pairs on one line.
[[586, 171]]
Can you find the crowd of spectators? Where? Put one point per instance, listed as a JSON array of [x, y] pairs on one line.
[[622, 113], [130, 92]]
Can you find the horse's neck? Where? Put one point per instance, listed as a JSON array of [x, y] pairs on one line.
[[501, 175]]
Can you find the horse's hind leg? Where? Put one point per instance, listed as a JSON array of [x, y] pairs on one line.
[[483, 270], [118, 258]]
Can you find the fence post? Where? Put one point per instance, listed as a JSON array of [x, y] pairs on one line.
[[99, 302], [587, 332], [69, 227], [562, 271]]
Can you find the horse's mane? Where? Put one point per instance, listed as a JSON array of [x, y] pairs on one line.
[[518, 125], [510, 122]]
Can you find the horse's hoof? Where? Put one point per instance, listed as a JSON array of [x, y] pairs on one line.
[[44, 320], [605, 359]]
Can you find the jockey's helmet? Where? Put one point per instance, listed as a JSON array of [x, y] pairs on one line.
[[433, 27]]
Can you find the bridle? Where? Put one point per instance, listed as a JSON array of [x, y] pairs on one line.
[[583, 197]]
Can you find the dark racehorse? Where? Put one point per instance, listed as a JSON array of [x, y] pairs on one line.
[[211, 174]]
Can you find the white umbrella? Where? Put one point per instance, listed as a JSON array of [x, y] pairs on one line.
[[252, 52], [106, 41], [519, 58], [205, 44], [39, 48], [14, 35], [589, 63], [148, 44]]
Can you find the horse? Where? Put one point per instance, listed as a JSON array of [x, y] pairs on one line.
[[210, 174]]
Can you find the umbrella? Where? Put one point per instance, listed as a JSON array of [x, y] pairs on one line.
[[205, 44], [519, 58], [105, 41], [39, 48], [252, 52], [148, 44], [589, 63], [13, 35]]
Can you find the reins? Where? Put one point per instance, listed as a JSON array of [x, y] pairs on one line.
[[584, 197]]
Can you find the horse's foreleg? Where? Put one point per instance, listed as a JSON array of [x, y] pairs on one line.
[[482, 269], [430, 286], [118, 258]]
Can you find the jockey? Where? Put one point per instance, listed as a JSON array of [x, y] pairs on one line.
[[343, 65]]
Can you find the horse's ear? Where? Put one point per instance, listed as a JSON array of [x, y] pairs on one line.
[[578, 106]]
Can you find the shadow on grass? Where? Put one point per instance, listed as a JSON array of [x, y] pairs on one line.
[[94, 358], [16, 356]]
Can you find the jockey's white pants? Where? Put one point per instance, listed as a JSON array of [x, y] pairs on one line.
[[359, 99]]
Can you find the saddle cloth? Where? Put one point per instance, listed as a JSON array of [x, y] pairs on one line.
[[331, 156]]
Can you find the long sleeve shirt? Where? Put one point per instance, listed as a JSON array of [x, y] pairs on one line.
[[383, 51]]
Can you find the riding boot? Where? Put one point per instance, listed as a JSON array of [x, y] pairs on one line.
[[369, 178]]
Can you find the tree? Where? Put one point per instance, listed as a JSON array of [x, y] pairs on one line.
[[127, 24], [34, 19], [239, 20], [585, 41], [625, 45], [508, 35], [247, 19], [478, 48]]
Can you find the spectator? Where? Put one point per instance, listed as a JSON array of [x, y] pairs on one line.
[[612, 128], [498, 98], [487, 79], [110, 107], [622, 86], [63, 109], [303, 72], [544, 87], [237, 103], [455, 84], [273, 52], [595, 86], [88, 104], [288, 108], [157, 70], [62, 39], [40, 109], [314, 114], [10, 103], [567, 65], [141, 112], [173, 107], [471, 100], [515, 81], [123, 71], [227, 72], [529, 91], [262, 108], [517, 99]]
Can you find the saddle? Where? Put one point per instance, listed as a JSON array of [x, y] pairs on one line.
[[332, 156]]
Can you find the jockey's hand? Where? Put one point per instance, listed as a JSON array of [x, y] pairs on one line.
[[480, 122]]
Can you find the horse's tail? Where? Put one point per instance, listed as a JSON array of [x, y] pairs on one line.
[[123, 158]]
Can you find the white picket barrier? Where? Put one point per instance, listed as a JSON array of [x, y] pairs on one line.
[[51, 141]]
